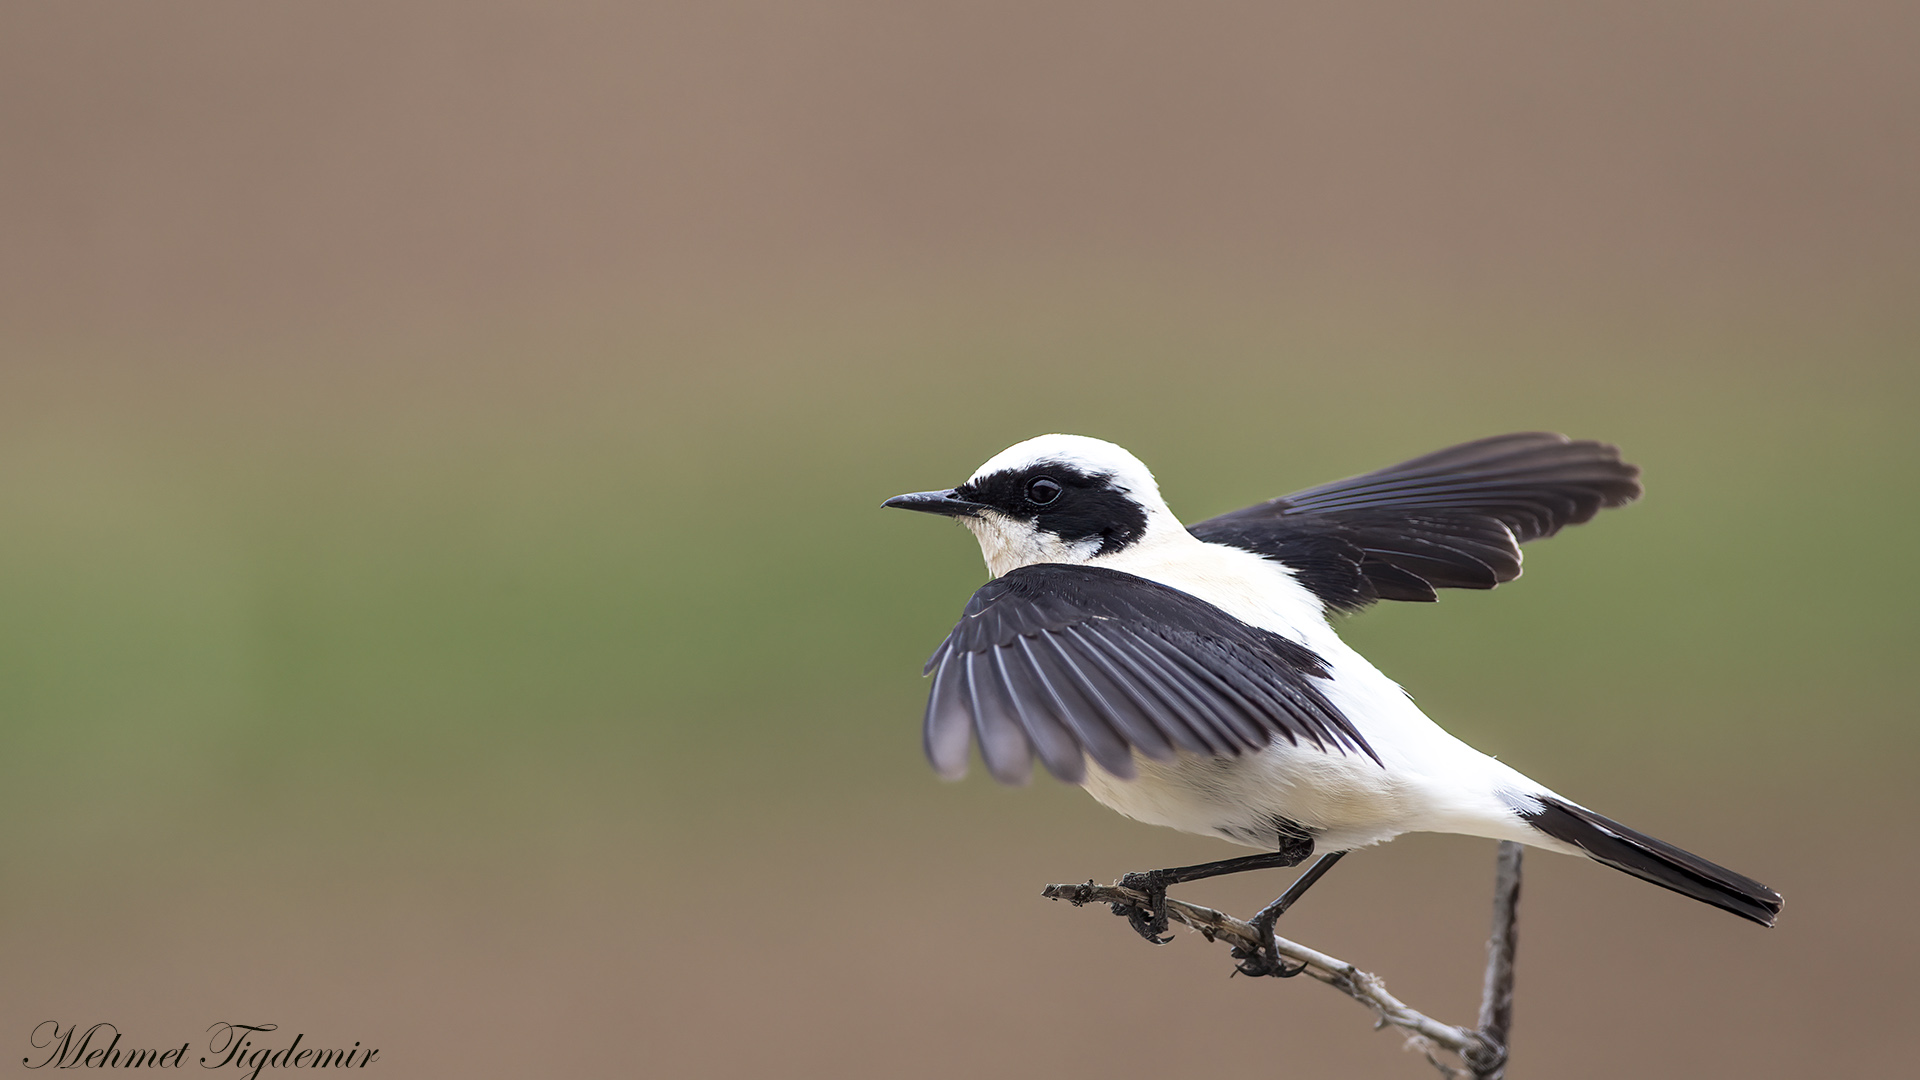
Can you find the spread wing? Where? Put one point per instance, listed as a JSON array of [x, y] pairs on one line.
[[1454, 519], [1069, 662]]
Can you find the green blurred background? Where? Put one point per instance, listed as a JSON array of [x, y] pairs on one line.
[[444, 600]]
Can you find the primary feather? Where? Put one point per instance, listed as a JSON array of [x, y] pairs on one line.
[[1453, 519]]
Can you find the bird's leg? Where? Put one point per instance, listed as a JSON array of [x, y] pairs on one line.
[[1151, 921], [1263, 960]]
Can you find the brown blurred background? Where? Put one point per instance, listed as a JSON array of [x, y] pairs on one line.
[[444, 604]]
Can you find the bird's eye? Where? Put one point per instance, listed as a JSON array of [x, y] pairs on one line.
[[1043, 491]]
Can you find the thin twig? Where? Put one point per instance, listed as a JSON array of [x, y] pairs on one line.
[[1496, 999], [1479, 1049]]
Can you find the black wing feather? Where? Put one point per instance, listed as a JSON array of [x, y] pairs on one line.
[[1452, 519], [949, 726], [1003, 742], [1069, 662], [1209, 732], [1109, 697], [1052, 742], [1084, 723]]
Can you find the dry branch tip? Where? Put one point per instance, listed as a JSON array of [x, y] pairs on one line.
[[1482, 1050]]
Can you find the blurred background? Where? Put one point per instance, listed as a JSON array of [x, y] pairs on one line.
[[444, 600]]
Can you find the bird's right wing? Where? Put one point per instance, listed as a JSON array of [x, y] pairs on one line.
[[1452, 519], [1068, 662]]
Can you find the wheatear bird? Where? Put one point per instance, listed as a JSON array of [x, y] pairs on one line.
[[1189, 677]]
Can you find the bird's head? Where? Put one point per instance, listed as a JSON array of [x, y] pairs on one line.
[[1053, 499]]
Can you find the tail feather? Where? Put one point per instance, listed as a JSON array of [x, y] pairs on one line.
[[1653, 860]]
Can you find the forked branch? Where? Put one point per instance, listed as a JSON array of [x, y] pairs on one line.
[[1482, 1051]]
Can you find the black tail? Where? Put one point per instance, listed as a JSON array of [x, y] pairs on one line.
[[1654, 860]]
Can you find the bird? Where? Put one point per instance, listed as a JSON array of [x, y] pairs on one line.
[[1193, 677]]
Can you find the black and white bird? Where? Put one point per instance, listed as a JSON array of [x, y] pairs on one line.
[[1190, 677]]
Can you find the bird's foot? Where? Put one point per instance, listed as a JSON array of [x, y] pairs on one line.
[[1264, 959], [1148, 920]]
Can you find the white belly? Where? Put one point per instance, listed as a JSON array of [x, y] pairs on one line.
[[1251, 800], [1427, 780]]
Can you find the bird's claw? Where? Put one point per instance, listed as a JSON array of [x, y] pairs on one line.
[[1150, 920], [1264, 959], [1258, 962]]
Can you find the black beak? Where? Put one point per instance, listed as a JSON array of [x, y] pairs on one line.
[[936, 502]]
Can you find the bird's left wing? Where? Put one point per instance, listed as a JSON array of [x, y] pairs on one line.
[[1452, 519], [1069, 662]]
